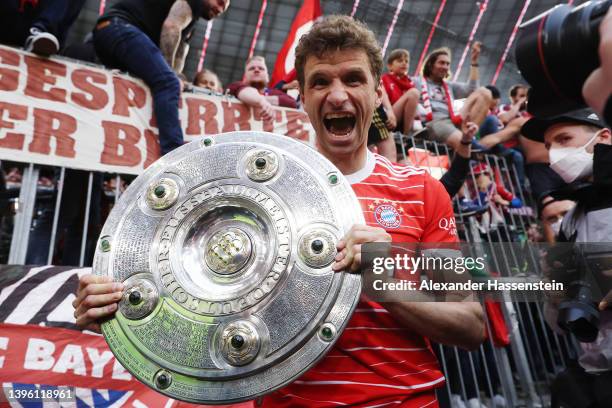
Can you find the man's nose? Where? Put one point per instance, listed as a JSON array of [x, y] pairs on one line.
[[337, 95]]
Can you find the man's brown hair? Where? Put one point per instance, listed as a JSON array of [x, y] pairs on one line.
[[334, 33], [396, 54], [432, 58]]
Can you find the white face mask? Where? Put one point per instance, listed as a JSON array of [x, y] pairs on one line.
[[556, 226], [572, 163]]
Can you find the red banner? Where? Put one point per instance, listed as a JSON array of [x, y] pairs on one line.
[[82, 362], [63, 113], [42, 353]]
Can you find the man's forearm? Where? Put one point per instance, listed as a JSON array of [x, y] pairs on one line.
[[181, 55], [250, 96], [474, 73], [169, 44], [506, 117], [449, 323]]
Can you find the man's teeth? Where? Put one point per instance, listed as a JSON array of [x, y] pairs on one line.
[[338, 115]]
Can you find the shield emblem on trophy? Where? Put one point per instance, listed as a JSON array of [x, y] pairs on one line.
[[225, 248]]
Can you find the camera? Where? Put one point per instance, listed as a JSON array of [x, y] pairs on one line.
[[556, 52], [583, 270]]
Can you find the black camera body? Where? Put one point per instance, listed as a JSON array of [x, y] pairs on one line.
[[556, 52], [582, 269]]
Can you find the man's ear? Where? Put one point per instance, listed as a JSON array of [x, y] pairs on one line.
[[605, 135], [379, 94]]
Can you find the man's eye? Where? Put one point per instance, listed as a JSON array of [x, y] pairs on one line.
[[354, 80], [319, 82]]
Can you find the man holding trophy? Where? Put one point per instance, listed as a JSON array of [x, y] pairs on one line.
[[384, 355]]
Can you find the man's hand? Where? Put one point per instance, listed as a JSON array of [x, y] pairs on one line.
[[468, 130], [476, 51], [184, 83], [349, 247], [97, 298], [291, 85], [391, 122], [267, 110], [597, 89], [520, 104]]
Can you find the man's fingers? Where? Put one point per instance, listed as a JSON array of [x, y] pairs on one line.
[[339, 266], [94, 314], [356, 264], [89, 278], [340, 255], [97, 289], [101, 300]]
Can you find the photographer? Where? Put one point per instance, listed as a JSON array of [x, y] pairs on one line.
[[580, 149]]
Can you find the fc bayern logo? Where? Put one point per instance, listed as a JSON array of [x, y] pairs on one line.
[[387, 216]]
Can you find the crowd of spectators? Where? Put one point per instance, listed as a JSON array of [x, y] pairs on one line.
[[152, 43]]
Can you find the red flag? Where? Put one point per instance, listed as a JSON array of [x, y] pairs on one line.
[[305, 18]]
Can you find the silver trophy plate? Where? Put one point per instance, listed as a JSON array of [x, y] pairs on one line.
[[225, 248]]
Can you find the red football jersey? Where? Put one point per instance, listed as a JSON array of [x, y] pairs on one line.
[[396, 86], [376, 362]]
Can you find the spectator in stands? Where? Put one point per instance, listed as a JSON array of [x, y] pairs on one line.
[[39, 26], [380, 138], [491, 124], [580, 150], [253, 90], [338, 65], [401, 91], [379, 134], [512, 118], [209, 80], [551, 213], [437, 96], [150, 40], [518, 106], [500, 131]]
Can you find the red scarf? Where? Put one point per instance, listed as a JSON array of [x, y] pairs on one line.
[[456, 119]]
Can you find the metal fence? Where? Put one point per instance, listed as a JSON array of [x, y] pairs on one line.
[[54, 215]]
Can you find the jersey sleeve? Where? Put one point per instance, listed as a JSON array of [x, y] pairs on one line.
[[440, 225], [235, 87]]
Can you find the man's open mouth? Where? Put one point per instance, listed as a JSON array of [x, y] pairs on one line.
[[339, 124]]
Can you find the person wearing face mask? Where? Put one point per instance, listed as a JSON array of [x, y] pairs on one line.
[[551, 213], [580, 150]]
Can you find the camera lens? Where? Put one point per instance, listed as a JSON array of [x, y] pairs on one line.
[[556, 52]]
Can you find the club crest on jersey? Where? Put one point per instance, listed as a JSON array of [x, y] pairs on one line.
[[386, 214]]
